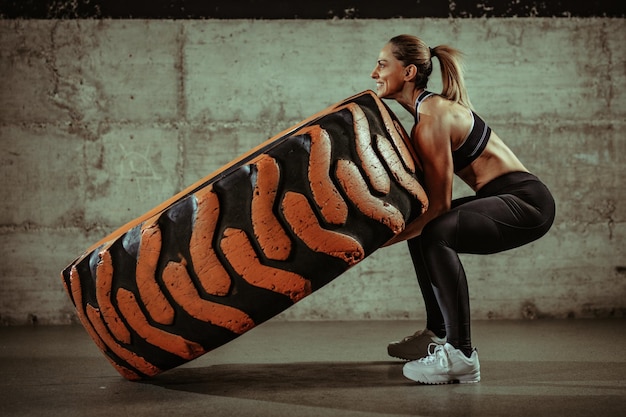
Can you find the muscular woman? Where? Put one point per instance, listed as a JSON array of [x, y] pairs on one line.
[[511, 207]]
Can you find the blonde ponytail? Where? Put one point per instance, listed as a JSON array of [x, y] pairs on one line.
[[450, 61]]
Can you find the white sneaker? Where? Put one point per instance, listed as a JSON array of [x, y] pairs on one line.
[[444, 364]]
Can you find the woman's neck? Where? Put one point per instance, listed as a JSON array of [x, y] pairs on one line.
[[407, 99]]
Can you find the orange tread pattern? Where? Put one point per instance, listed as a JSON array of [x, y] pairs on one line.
[[301, 217], [374, 170], [180, 285], [211, 273], [356, 187], [332, 206], [267, 228], [104, 273], [247, 242], [167, 341], [150, 292]]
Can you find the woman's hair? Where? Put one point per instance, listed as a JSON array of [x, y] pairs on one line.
[[412, 50]]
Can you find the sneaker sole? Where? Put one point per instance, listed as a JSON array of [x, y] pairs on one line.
[[421, 379], [468, 379], [404, 358], [441, 379]]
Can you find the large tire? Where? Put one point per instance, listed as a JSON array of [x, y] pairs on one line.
[[247, 242]]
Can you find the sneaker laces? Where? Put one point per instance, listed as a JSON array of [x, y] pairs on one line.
[[436, 353]]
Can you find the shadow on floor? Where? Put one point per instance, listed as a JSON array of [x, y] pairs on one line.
[[508, 388], [234, 378]]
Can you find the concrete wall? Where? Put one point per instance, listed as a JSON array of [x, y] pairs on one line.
[[102, 120]]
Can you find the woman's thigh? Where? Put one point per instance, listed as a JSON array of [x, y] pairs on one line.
[[486, 225]]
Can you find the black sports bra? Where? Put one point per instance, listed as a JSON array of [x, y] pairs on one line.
[[474, 143]]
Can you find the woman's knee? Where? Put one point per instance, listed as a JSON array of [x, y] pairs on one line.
[[441, 230]]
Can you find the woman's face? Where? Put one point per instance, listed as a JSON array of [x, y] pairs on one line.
[[388, 73]]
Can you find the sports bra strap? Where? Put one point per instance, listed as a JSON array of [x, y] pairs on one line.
[[423, 96]]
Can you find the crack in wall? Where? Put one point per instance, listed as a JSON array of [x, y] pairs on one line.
[[606, 211]]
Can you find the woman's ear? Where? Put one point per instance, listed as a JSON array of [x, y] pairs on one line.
[[410, 72]]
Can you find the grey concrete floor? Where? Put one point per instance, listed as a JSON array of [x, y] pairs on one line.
[[529, 368]]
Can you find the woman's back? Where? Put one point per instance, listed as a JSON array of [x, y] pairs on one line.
[[459, 125]]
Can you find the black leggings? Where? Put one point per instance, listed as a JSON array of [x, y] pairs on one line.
[[508, 212]]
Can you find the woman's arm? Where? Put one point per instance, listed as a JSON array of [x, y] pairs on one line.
[[431, 140]]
